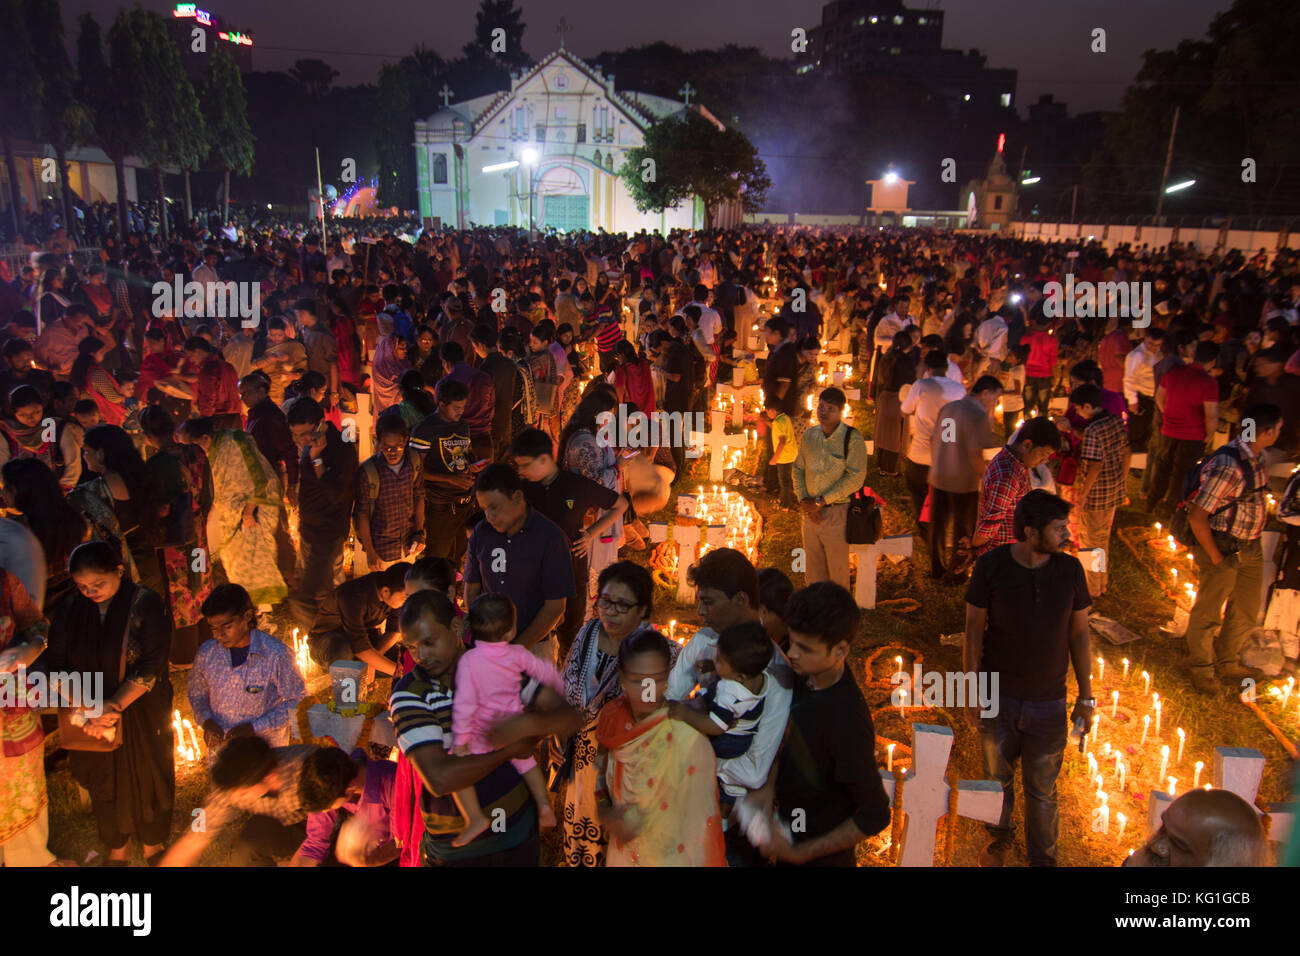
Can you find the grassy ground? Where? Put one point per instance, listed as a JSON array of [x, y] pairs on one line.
[[1133, 599]]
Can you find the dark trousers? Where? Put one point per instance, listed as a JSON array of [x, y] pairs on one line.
[[444, 529], [958, 507], [1038, 395], [153, 832], [322, 560], [262, 841], [575, 608], [771, 476], [1032, 733], [1139, 424], [528, 853], [918, 484], [1168, 465]]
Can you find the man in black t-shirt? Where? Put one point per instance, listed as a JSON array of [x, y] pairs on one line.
[[567, 498], [673, 359], [1026, 623], [780, 384], [827, 768], [443, 438]]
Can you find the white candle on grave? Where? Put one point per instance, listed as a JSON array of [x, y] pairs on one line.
[[1146, 683], [1146, 724], [1196, 778], [1101, 669], [1096, 721], [1164, 761], [1158, 703], [672, 629], [1173, 787], [1157, 527], [902, 701], [1105, 749], [899, 662], [1286, 691], [889, 751], [1105, 818], [1122, 771], [1125, 663], [1182, 739], [1114, 703], [1123, 822], [189, 728]]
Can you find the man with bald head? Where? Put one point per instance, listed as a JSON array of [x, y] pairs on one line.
[[1206, 828]]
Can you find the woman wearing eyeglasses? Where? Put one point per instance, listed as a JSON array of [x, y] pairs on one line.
[[625, 593]]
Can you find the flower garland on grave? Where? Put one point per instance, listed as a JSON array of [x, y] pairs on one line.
[[369, 711]]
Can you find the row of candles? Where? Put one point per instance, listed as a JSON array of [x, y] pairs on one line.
[[187, 740], [722, 506], [1283, 695]]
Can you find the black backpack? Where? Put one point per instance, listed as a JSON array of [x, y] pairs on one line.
[[1179, 526], [864, 523]]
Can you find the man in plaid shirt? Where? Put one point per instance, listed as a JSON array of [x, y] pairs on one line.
[[1227, 517], [1007, 479], [1101, 485]]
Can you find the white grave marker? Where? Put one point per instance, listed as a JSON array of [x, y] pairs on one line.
[[717, 441], [741, 393], [895, 547], [687, 539], [925, 794], [1240, 770]]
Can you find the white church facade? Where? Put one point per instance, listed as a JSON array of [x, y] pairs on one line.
[[546, 152]]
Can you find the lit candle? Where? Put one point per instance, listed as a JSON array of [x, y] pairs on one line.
[[1157, 527], [1105, 814], [1196, 778], [1105, 749], [1125, 662], [672, 629], [1173, 787], [1114, 703], [1146, 683], [189, 728], [902, 701], [1173, 546], [1096, 719], [1122, 770], [1164, 761], [899, 661], [890, 757], [1158, 703], [1123, 822], [1174, 572], [1092, 765], [1101, 669], [1118, 757], [1100, 781], [1146, 724], [1182, 739], [1286, 691]]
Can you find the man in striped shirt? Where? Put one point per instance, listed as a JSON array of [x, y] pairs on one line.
[[420, 708]]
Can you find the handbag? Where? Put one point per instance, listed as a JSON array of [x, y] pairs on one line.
[[547, 398], [73, 736], [863, 523]]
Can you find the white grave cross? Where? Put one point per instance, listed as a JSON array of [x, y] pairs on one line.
[[718, 441], [1240, 770], [925, 794], [687, 539], [740, 393], [896, 547]]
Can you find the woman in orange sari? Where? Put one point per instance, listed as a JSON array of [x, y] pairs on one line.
[[660, 802]]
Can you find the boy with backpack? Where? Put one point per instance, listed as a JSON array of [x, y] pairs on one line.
[[1221, 518], [390, 496]]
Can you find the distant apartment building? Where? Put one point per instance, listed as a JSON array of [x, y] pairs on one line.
[[186, 18]]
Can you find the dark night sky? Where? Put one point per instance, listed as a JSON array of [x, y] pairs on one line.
[[1046, 40]]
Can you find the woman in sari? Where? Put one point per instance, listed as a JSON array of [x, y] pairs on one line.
[[123, 502], [24, 807], [659, 802], [386, 373], [896, 372], [590, 682], [133, 788], [244, 516], [94, 381], [548, 379], [184, 483]]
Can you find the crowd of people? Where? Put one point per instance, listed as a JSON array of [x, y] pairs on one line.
[[178, 485]]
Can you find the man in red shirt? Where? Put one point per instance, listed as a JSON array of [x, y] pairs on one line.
[[1188, 399], [216, 389], [1111, 351]]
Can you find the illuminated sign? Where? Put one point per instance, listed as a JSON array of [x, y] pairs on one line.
[[191, 11], [1002, 141], [243, 39]]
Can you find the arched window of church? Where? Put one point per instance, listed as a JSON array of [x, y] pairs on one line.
[[596, 158], [609, 162], [439, 168]]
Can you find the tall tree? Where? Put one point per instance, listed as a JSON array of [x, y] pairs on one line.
[[687, 155], [226, 115], [21, 92], [506, 46], [393, 142], [176, 130], [64, 120], [314, 76], [111, 90]]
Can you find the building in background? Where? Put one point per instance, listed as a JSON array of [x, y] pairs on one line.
[[216, 33], [883, 36], [546, 151]]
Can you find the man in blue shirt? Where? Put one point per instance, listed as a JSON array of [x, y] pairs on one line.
[[244, 681], [519, 552]]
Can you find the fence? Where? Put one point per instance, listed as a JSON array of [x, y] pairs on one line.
[[15, 257], [1200, 235]]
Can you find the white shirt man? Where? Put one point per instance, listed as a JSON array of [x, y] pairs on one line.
[[888, 327], [1139, 371], [923, 402], [710, 321], [991, 338]]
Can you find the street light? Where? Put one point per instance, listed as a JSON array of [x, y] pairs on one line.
[[1031, 180], [1178, 187], [530, 156], [891, 177]]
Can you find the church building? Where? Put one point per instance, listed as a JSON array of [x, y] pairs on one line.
[[547, 152]]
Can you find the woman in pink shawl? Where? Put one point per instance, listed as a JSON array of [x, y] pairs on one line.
[[386, 371]]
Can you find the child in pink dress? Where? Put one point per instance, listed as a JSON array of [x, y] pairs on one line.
[[488, 680]]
